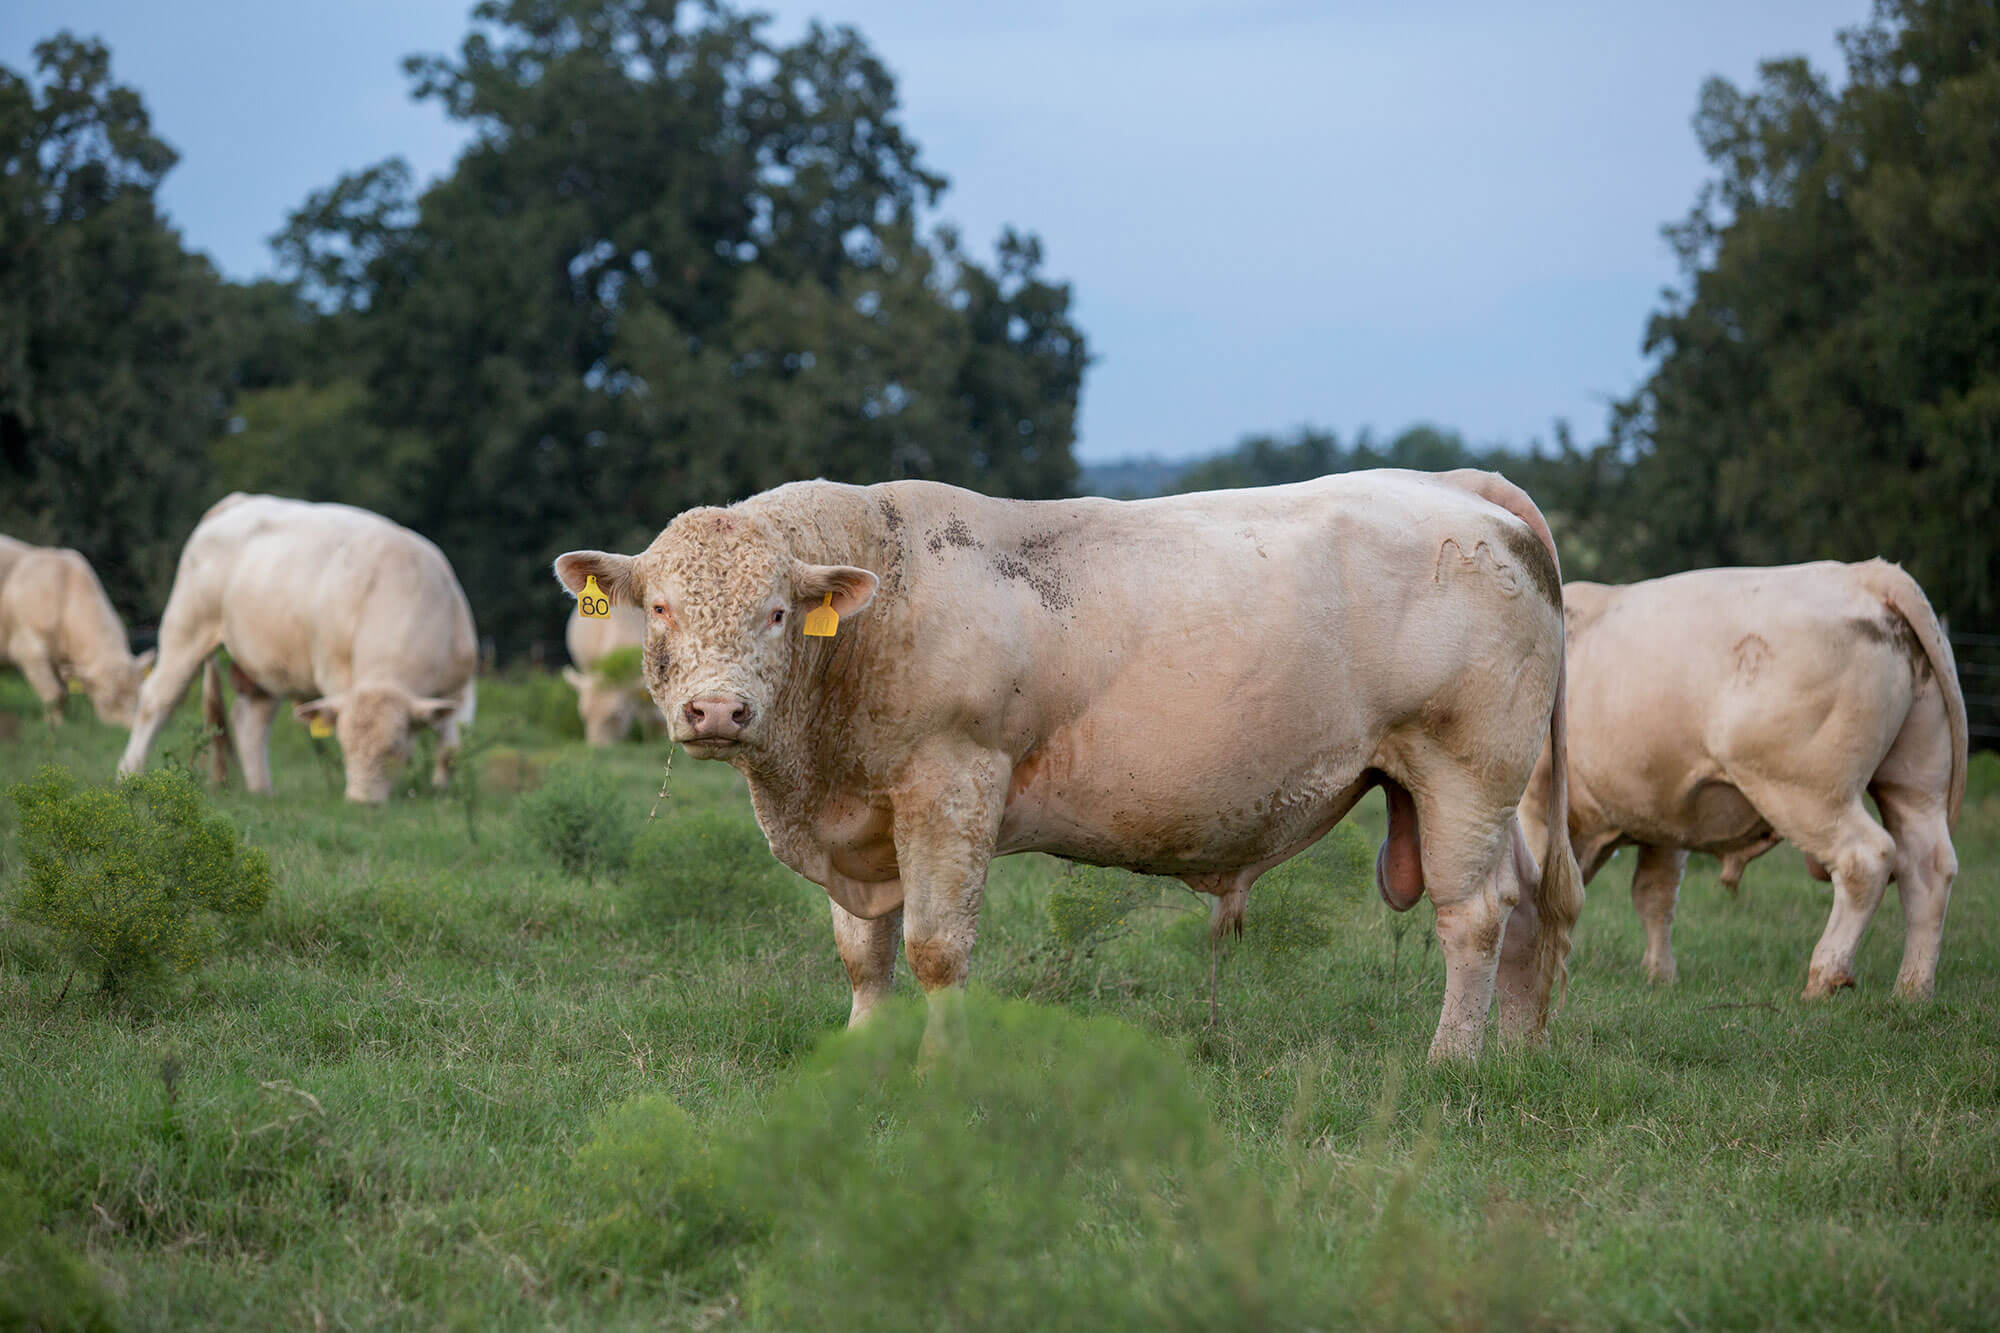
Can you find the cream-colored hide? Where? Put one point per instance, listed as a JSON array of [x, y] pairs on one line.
[[321, 602], [1199, 686], [608, 710], [57, 626], [1726, 710]]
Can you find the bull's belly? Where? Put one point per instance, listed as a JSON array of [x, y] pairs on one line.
[[1703, 814], [1167, 822]]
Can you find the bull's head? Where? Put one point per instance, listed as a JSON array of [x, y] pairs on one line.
[[724, 598], [114, 689], [373, 724], [608, 708]]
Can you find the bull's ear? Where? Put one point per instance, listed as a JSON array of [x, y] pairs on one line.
[[430, 712], [574, 679], [613, 572], [144, 661], [852, 587], [325, 710]]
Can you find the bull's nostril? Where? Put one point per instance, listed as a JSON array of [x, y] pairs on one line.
[[741, 716]]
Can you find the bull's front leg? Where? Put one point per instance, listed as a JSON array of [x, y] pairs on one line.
[[947, 819], [868, 952]]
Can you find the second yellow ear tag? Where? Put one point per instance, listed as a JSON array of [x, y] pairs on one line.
[[75, 685], [591, 603], [319, 728], [822, 620]]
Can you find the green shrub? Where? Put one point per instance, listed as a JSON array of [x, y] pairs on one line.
[[1010, 1183], [133, 878], [42, 1284], [620, 666], [1089, 903], [578, 818], [660, 1210], [536, 705], [708, 865]]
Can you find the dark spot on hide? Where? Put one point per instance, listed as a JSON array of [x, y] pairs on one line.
[[934, 963], [1534, 557]]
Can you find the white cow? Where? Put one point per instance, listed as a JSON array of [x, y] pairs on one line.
[[58, 627], [1198, 686], [323, 602], [1726, 710], [608, 708]]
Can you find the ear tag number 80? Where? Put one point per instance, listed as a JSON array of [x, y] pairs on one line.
[[319, 728], [822, 620], [591, 603]]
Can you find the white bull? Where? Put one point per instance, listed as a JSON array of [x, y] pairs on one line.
[[323, 602], [1199, 686], [58, 627], [1726, 710]]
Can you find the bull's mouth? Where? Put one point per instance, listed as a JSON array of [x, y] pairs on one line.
[[710, 747]]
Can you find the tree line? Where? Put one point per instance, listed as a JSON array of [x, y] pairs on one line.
[[679, 262]]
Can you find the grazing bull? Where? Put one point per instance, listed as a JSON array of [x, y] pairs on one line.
[[58, 627], [608, 707], [1726, 710], [1199, 686], [324, 602]]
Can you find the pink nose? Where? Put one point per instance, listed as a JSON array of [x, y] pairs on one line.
[[717, 717]]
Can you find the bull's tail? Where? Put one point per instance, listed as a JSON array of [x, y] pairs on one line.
[[1559, 889], [216, 717], [1894, 586]]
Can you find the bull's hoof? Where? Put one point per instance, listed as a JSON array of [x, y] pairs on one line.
[[1662, 974], [1915, 988], [1819, 985]]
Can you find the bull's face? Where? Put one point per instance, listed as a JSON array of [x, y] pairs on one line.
[[608, 709], [724, 599], [374, 724], [114, 691]]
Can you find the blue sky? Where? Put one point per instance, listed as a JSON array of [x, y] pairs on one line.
[[1342, 214]]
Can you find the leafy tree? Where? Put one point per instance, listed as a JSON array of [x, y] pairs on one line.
[[1828, 381], [112, 369], [678, 263]]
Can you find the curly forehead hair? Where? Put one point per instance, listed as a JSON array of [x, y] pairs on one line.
[[720, 557]]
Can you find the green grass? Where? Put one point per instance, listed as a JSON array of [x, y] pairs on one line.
[[380, 1104]]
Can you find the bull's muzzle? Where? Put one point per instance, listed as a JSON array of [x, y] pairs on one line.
[[715, 717]]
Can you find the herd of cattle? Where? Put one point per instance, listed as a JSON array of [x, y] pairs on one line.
[[915, 679]]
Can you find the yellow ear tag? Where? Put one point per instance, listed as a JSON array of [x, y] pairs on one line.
[[822, 620], [75, 685], [319, 728], [591, 603]]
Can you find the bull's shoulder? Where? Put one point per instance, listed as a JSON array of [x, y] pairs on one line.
[[227, 503]]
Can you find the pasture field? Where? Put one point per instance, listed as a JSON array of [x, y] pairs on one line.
[[434, 1084]]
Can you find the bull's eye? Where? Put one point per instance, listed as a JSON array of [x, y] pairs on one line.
[[659, 608], [778, 616]]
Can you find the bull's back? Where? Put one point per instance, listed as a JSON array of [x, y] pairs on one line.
[[1682, 682], [1209, 677], [319, 597]]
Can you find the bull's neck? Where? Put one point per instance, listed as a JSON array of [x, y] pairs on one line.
[[821, 713]]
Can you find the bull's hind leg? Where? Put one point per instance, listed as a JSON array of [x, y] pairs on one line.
[[1857, 852], [1474, 883], [1912, 788], [1656, 887], [250, 714], [868, 952]]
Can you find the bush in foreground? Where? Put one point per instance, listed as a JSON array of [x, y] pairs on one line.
[[578, 818], [133, 879]]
